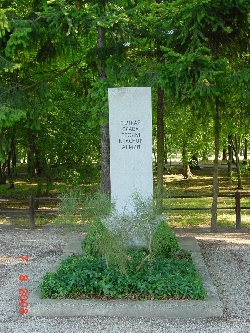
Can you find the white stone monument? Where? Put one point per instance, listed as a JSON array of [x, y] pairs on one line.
[[130, 126]]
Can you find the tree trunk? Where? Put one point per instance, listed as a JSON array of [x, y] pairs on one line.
[[160, 148], [160, 134], [215, 174], [166, 153], [184, 163], [104, 130], [31, 155], [9, 168], [245, 149], [105, 160], [237, 160], [224, 154], [230, 156], [2, 173], [186, 172], [11, 163]]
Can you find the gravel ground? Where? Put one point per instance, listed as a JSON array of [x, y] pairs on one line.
[[227, 256]]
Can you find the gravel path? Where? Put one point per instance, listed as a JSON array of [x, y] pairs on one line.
[[227, 256]]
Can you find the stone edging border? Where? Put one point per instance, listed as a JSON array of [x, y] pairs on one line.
[[211, 307]]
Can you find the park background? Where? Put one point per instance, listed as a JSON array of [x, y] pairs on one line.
[[57, 61]]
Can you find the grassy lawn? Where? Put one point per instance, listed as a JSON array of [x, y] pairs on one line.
[[201, 185]]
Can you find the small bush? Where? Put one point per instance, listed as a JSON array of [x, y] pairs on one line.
[[77, 208], [164, 242], [70, 207], [90, 244], [102, 243]]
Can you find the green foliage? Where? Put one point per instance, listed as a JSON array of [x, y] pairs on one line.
[[89, 277], [138, 227], [70, 206], [7, 66], [90, 244], [19, 40], [97, 101], [76, 205], [9, 116], [108, 237], [100, 242], [164, 242], [4, 24], [51, 74], [245, 167], [98, 206], [109, 268]]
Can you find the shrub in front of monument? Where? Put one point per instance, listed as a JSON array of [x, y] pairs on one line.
[[158, 272], [136, 227], [164, 242], [102, 243], [77, 208]]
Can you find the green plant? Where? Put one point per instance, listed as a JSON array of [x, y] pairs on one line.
[[70, 206], [136, 228], [245, 167], [76, 207], [100, 242], [96, 231], [109, 237], [183, 255], [89, 277], [164, 242], [98, 206], [110, 268]]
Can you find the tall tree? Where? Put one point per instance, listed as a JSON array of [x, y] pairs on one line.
[[204, 40], [104, 128]]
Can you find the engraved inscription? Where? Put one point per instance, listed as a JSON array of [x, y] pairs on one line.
[[130, 134]]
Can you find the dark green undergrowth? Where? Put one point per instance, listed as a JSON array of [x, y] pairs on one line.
[[89, 277], [110, 270]]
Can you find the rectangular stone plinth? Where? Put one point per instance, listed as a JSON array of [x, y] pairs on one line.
[[130, 126]]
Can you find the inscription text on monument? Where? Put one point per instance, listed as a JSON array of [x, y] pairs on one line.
[[130, 134]]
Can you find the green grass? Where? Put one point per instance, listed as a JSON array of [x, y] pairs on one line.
[[174, 185], [201, 185]]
